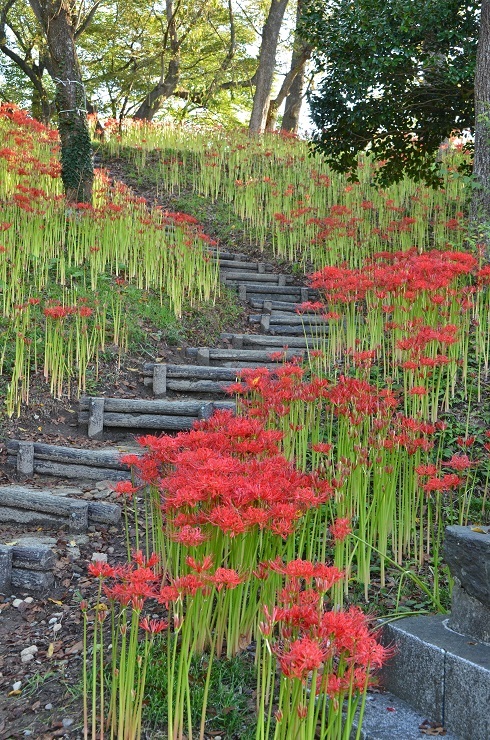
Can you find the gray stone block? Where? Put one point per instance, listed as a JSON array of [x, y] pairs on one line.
[[415, 673], [467, 690], [458, 680], [468, 615], [467, 554], [386, 717]]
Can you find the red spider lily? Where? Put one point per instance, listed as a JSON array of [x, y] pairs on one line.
[[301, 657], [340, 529], [100, 569], [446, 483], [153, 626], [125, 488], [458, 462], [226, 578]]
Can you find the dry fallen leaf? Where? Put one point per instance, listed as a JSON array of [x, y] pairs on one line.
[[16, 692], [50, 650], [55, 601]]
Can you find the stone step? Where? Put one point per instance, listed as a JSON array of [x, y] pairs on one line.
[[386, 717], [442, 674]]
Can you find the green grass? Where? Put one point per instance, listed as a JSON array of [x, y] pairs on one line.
[[231, 707]]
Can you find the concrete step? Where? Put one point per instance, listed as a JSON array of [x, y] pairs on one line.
[[442, 674], [386, 717]]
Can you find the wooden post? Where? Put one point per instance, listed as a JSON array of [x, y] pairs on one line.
[[95, 418], [25, 459], [5, 568], [159, 380], [202, 356]]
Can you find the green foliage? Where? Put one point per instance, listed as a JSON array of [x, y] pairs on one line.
[[231, 710], [397, 77]]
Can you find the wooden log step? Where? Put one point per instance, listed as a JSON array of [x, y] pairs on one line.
[[272, 343], [286, 319], [24, 505], [28, 507], [186, 378], [265, 291], [66, 462], [144, 414], [224, 255], [63, 470], [40, 557], [148, 406], [31, 580], [192, 372], [94, 458], [256, 267], [240, 276], [268, 305], [101, 513], [252, 357], [297, 331]]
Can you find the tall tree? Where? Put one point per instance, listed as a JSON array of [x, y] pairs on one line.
[[301, 53], [267, 64], [397, 77], [54, 17], [27, 52], [480, 206]]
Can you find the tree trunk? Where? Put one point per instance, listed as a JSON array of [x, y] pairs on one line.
[[267, 64], [294, 100], [480, 204], [41, 106], [76, 150], [153, 101]]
